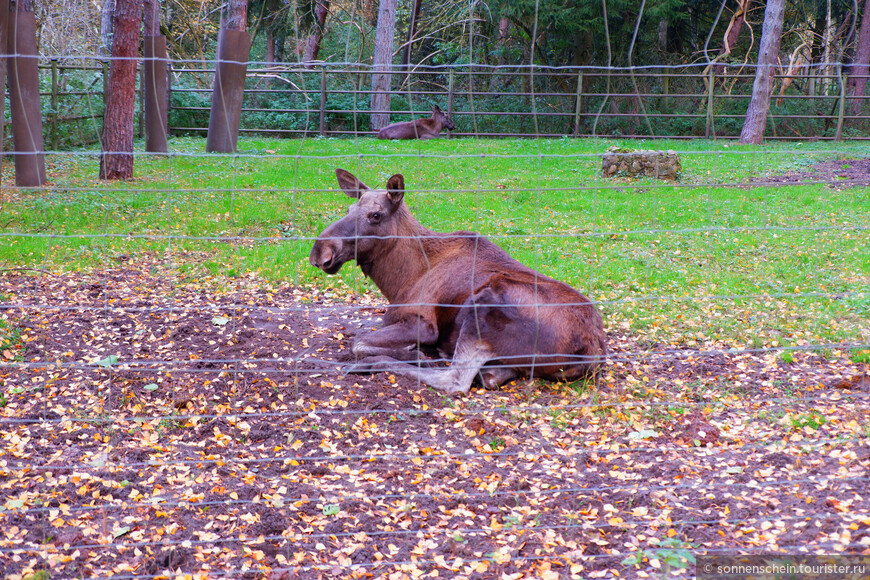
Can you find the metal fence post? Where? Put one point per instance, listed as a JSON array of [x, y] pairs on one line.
[[323, 102], [105, 65], [355, 76], [54, 113], [666, 84], [709, 130], [140, 124]]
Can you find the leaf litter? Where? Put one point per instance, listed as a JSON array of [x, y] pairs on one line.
[[154, 428]]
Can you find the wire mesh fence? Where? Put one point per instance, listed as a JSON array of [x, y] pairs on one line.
[[328, 99], [177, 398]]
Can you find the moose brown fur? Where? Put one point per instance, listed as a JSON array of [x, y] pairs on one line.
[[418, 128], [458, 293]]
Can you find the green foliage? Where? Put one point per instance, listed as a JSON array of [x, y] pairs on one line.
[[784, 258], [190, 105], [812, 419], [331, 509], [75, 117], [12, 345], [672, 555]]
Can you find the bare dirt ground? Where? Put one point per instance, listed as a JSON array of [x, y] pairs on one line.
[[160, 430], [153, 428], [845, 173]]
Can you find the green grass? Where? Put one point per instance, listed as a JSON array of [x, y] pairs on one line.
[[707, 260], [11, 343]]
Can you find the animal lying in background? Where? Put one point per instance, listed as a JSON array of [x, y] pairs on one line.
[[418, 128], [457, 293]]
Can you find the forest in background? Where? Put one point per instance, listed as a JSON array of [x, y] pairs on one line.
[[615, 33], [502, 52]]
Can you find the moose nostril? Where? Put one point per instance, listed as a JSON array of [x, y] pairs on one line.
[[322, 258]]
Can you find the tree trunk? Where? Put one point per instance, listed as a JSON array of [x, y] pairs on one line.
[[106, 28], [662, 33], [828, 39], [370, 12], [116, 161], [732, 33], [24, 96], [504, 31], [234, 45], [155, 82], [280, 39], [270, 47], [236, 16], [412, 32], [857, 83], [4, 32], [735, 27], [151, 18], [383, 59], [312, 46], [762, 88]]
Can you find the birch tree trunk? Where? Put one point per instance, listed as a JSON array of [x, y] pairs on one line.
[[759, 103], [828, 40], [106, 15]]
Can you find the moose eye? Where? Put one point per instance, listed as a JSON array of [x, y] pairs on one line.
[[375, 217]]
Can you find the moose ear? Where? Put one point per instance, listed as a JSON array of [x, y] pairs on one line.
[[351, 186], [396, 188], [436, 109]]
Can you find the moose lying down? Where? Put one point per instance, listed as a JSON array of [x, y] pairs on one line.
[[459, 294], [418, 128]]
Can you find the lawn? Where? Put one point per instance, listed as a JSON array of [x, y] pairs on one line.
[[690, 261], [172, 401]]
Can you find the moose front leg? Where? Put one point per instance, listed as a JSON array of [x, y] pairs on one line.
[[469, 357], [401, 340]]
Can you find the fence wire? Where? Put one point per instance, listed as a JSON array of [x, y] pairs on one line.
[[177, 398]]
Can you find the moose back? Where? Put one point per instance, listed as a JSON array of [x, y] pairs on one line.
[[458, 294], [418, 128]]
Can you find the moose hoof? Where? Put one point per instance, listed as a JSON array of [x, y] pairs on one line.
[[493, 378]]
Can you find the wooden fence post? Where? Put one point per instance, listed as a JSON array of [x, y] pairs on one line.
[[841, 106], [578, 104], [450, 97]]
